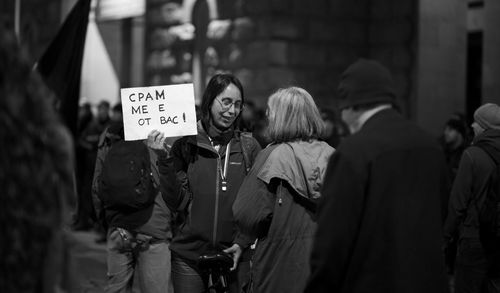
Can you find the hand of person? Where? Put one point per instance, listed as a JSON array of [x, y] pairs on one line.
[[159, 143], [235, 251]]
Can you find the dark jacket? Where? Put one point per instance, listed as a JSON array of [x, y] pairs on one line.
[[196, 193], [469, 187], [276, 203], [380, 221]]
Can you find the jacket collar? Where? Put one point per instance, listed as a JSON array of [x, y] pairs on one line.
[[389, 115], [202, 140]]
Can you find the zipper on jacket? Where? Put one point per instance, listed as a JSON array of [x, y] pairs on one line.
[[216, 215], [217, 190]]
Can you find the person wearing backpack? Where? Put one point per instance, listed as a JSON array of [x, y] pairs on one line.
[[476, 268], [209, 169], [129, 205]]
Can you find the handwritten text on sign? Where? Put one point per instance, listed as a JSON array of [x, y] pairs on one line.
[[169, 109]]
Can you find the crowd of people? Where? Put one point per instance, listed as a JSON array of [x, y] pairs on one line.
[[355, 200]]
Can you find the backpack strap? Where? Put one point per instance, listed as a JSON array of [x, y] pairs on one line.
[[495, 158], [492, 152], [247, 147]]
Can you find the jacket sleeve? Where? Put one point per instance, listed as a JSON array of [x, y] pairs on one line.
[[461, 195], [174, 185], [254, 205], [339, 217]]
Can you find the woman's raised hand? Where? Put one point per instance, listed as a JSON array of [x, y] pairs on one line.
[[155, 141], [159, 143]]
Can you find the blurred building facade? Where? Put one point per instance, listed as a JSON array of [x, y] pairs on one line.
[[445, 55]]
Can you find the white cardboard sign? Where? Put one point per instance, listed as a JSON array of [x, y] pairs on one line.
[[169, 109]]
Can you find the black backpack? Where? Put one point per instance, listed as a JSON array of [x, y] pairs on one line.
[[489, 209], [126, 180]]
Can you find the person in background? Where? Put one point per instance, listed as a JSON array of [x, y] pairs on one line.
[[117, 119], [88, 141], [253, 119], [85, 116], [383, 200], [336, 129], [468, 192], [278, 198], [137, 238], [209, 169], [36, 176], [454, 141], [248, 117], [116, 113]]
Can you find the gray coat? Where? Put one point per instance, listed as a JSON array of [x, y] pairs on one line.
[[276, 204]]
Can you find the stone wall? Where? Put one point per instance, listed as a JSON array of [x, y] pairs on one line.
[[440, 75], [303, 43], [272, 44], [275, 43], [392, 39], [310, 43]]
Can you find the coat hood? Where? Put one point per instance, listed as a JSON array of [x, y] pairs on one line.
[[302, 164]]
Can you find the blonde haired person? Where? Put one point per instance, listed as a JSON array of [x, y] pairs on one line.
[[277, 200]]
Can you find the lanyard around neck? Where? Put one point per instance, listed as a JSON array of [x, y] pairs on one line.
[[223, 171]]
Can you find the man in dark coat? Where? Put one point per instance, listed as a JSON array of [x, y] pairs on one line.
[[380, 222], [475, 268]]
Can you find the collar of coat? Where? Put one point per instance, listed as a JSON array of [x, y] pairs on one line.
[[302, 164], [201, 140]]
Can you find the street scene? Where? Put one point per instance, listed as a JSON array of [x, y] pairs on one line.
[[250, 146]]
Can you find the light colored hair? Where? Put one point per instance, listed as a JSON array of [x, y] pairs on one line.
[[293, 115]]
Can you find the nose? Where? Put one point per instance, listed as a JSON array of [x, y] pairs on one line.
[[232, 109]]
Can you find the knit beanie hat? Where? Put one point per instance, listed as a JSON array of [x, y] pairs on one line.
[[488, 116], [365, 82]]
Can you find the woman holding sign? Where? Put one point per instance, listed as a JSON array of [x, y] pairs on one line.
[[209, 169]]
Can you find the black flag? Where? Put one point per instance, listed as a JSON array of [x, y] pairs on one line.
[[61, 64]]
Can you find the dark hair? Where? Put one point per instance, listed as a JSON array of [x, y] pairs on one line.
[[217, 84]]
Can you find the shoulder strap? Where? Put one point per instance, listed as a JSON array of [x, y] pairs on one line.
[[247, 148], [490, 151]]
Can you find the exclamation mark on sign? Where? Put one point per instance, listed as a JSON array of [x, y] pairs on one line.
[[184, 117]]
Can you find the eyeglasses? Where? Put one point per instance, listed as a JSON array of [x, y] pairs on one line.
[[226, 104]]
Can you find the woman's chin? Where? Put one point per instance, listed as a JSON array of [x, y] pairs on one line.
[[224, 123]]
